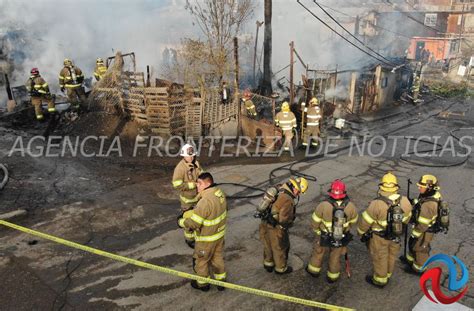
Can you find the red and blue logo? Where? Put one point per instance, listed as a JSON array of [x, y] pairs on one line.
[[434, 274]]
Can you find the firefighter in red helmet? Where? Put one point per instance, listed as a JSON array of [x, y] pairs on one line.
[[331, 222]]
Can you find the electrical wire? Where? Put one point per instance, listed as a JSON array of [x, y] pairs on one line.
[[350, 33], [388, 3], [340, 35]]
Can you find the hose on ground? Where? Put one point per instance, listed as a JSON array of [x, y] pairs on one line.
[[4, 171]]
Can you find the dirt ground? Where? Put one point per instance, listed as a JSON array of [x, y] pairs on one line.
[[126, 205]]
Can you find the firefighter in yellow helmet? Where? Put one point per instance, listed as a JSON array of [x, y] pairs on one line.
[[208, 221], [312, 130], [286, 120], [430, 216], [249, 105], [39, 92], [276, 223], [381, 227], [70, 81], [100, 69], [332, 221], [185, 177]]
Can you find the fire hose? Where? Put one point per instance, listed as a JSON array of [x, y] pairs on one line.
[[4, 171]]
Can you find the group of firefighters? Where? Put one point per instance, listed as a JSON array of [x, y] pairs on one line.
[[381, 226], [71, 80], [286, 121]]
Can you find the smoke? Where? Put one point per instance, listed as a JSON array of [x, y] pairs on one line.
[[84, 30]]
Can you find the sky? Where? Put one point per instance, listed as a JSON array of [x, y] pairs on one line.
[[84, 30]]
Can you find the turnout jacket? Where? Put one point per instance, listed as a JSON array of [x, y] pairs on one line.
[[323, 216], [37, 86], [283, 209], [375, 216], [66, 77], [285, 120], [185, 176], [209, 216], [427, 215]]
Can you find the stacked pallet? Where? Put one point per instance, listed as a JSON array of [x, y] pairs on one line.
[[215, 111], [194, 117]]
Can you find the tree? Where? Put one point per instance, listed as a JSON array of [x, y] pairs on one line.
[[266, 86], [220, 21]]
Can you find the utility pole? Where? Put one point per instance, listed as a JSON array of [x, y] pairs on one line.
[[236, 84], [259, 24], [292, 95]]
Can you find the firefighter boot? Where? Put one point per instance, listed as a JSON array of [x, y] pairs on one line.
[[195, 285], [370, 280], [288, 270]]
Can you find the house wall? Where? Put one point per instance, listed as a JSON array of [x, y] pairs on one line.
[[387, 92]]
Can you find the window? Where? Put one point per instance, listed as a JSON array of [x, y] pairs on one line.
[[384, 82], [431, 19]]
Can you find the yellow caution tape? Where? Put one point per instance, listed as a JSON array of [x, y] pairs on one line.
[[180, 274]]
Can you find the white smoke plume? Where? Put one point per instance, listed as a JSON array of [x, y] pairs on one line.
[[87, 29]]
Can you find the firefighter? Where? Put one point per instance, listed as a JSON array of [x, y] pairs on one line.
[[415, 89], [381, 226], [312, 131], [39, 92], [249, 105], [286, 120], [274, 228], [427, 222], [185, 182], [70, 81], [100, 69], [208, 221], [331, 221]]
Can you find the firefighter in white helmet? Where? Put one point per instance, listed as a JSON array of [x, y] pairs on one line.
[[286, 120], [184, 181]]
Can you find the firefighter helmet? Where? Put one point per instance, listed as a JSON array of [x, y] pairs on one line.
[[34, 72], [338, 190], [300, 184], [389, 183], [247, 94], [99, 61], [428, 181], [314, 101], [67, 62], [187, 151], [285, 107]]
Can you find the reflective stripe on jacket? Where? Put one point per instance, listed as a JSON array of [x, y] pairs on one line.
[[209, 216]]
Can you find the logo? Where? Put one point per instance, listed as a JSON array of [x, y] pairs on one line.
[[435, 273]]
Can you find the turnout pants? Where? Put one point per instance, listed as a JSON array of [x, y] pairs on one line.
[[208, 259], [421, 251], [288, 135], [76, 96], [316, 261], [276, 246], [36, 101], [311, 136], [384, 253]]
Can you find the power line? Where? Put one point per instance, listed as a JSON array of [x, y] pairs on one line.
[[344, 38], [350, 33], [407, 14]]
